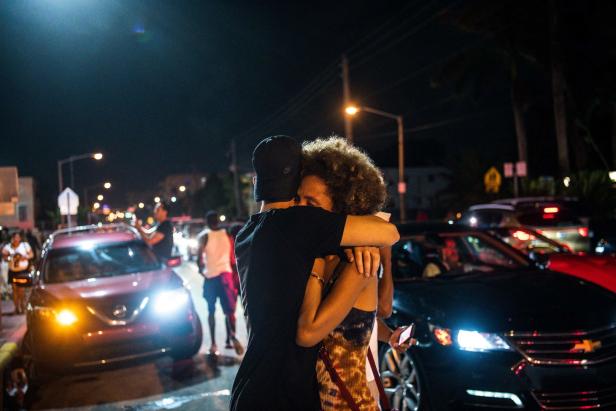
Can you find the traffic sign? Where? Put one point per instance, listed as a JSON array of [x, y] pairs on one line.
[[492, 180], [68, 202], [521, 169], [508, 169]]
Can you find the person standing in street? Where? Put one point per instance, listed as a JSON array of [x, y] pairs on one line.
[[19, 254], [275, 252], [214, 261], [160, 238]]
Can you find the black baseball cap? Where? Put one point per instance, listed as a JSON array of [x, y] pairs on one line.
[[277, 162]]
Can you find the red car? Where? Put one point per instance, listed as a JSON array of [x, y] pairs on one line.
[[101, 296], [598, 269]]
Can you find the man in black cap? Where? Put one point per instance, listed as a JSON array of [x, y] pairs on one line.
[[275, 252]]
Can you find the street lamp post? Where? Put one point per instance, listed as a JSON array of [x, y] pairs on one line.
[[353, 110], [71, 159]]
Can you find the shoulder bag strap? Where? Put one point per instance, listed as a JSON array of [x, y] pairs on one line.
[[375, 371], [344, 392]]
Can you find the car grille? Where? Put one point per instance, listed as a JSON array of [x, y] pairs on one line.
[[118, 311], [581, 400], [573, 348]]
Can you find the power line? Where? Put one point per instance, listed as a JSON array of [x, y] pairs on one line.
[[408, 34], [438, 124], [402, 24]]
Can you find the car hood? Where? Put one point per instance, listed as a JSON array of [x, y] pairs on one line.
[[532, 300], [600, 270], [111, 286]]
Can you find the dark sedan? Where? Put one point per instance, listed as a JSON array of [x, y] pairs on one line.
[[494, 330]]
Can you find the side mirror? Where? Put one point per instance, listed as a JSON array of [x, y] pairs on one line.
[[174, 261]]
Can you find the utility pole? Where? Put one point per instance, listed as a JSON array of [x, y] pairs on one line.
[[558, 91], [236, 180], [346, 98], [401, 182]]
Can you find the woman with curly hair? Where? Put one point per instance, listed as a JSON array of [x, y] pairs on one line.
[[339, 177]]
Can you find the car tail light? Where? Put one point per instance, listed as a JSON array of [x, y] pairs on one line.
[[174, 261], [442, 336], [548, 216], [583, 231]]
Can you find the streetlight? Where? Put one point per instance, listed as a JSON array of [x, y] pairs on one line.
[[141, 205], [71, 159], [182, 188], [96, 206], [352, 110], [174, 199], [100, 197], [157, 199], [107, 185]]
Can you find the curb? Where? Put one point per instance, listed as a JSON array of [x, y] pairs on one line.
[[11, 346]]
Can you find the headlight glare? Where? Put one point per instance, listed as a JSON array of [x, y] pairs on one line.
[[66, 317], [480, 342], [167, 302]]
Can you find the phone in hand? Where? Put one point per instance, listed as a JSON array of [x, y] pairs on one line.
[[407, 334]]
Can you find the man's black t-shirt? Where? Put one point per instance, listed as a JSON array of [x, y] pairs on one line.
[[275, 252], [164, 248]]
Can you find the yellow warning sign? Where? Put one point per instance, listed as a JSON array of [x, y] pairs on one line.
[[492, 180]]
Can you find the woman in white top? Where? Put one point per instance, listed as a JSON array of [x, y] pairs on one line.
[[18, 253]]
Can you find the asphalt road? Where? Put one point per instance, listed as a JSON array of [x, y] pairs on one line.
[[201, 384]]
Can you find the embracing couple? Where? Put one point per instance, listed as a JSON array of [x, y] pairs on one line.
[[299, 288]]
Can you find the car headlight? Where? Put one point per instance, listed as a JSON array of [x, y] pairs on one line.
[[476, 341], [168, 302], [469, 340], [64, 317]]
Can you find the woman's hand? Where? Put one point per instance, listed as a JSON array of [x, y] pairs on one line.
[[366, 259], [394, 341]]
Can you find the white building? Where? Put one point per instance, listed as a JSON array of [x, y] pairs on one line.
[[423, 185], [22, 214]]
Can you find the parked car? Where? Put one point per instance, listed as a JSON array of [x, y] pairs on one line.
[[599, 269], [495, 331], [101, 296], [556, 218]]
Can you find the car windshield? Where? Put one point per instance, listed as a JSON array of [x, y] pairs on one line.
[[105, 260], [528, 241], [430, 255]]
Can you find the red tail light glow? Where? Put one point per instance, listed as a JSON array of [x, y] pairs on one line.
[[548, 216], [583, 231]]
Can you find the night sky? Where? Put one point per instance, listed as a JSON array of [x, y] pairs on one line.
[[161, 87]]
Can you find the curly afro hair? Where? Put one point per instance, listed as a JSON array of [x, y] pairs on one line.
[[354, 183]]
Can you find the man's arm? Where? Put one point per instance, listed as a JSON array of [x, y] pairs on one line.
[[368, 230], [202, 240], [386, 285]]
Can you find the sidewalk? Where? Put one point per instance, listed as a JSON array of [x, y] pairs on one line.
[[13, 326]]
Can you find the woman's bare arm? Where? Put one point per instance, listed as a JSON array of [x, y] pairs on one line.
[[318, 318]]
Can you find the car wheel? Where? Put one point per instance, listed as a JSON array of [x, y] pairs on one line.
[[34, 370], [402, 381], [185, 353]]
